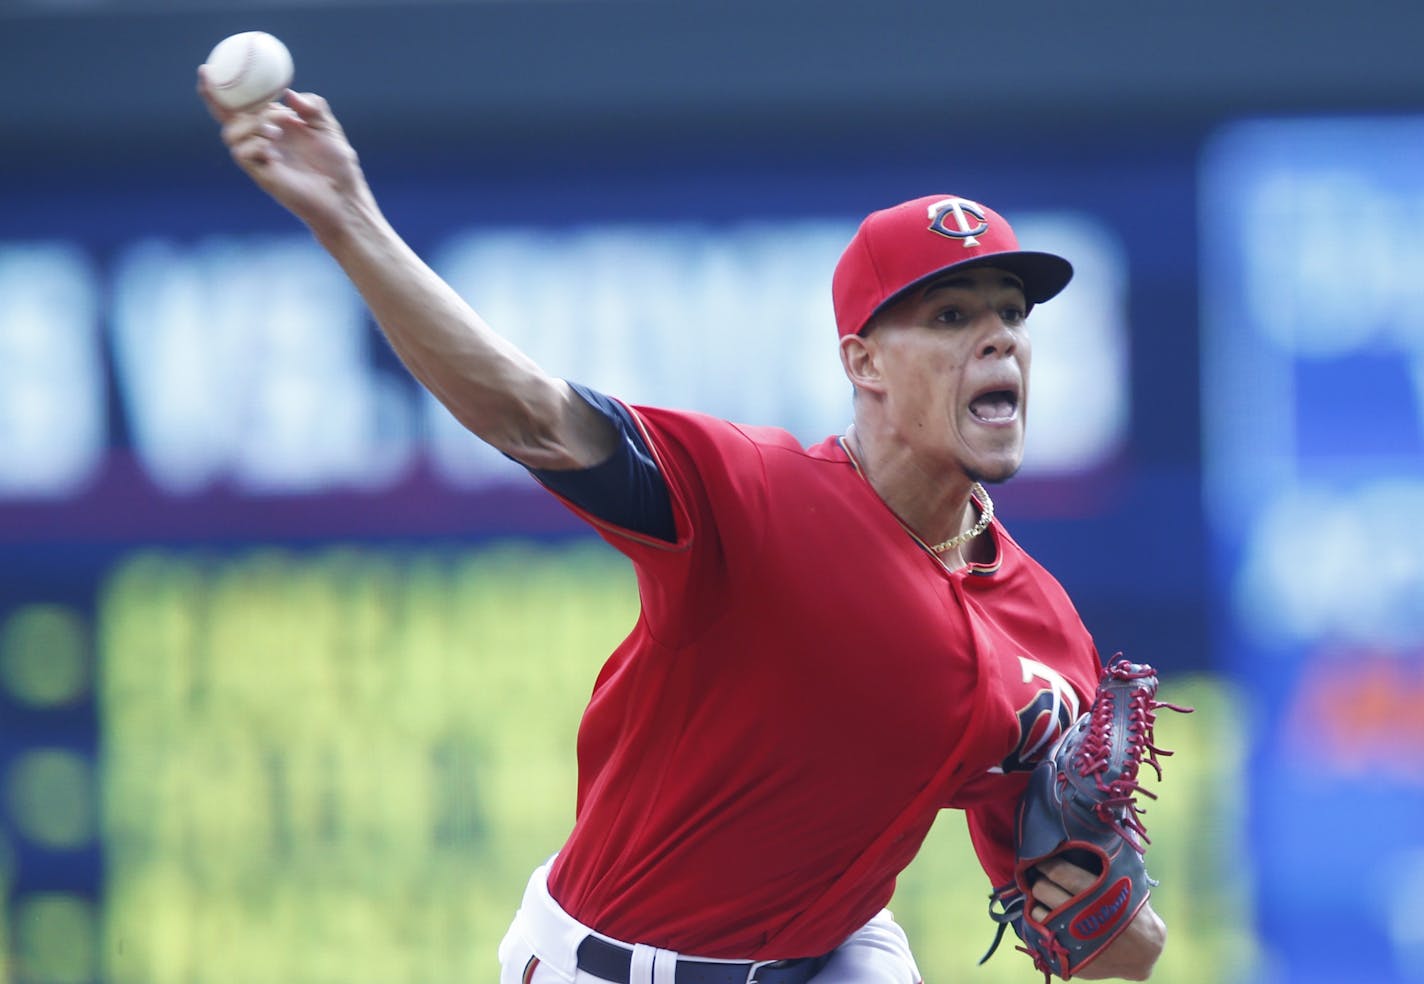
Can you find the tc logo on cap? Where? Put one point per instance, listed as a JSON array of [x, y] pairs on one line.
[[957, 207]]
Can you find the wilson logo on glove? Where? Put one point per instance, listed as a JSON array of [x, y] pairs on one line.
[[1102, 917]]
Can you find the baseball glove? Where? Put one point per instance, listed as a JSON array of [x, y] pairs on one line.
[[1081, 804]]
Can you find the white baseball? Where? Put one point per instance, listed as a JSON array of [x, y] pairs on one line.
[[248, 69]]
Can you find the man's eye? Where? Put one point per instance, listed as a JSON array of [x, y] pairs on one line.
[[1014, 315], [949, 316]]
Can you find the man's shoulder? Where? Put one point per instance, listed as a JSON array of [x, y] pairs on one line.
[[1021, 568], [690, 423]]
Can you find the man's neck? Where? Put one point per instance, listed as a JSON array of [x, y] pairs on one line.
[[934, 503]]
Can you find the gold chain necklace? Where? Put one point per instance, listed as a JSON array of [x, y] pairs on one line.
[[986, 516]]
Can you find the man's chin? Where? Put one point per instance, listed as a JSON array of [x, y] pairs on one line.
[[995, 474]]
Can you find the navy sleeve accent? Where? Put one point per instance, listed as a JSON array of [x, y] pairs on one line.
[[627, 490]]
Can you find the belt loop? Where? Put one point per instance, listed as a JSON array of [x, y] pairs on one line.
[[664, 967], [640, 970]]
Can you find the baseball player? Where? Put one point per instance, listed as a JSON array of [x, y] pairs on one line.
[[835, 642]]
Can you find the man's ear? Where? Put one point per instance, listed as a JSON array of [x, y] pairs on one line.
[[860, 358]]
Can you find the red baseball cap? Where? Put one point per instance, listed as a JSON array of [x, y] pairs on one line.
[[899, 247]]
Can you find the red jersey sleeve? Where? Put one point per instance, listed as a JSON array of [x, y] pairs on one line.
[[716, 486], [991, 830]]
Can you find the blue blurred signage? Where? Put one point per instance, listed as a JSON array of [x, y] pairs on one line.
[[1312, 237], [247, 363]]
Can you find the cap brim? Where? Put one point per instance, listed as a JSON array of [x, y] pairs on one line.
[[1044, 275]]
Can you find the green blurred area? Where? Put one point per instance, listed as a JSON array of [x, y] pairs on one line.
[[44, 655], [341, 767], [6, 877]]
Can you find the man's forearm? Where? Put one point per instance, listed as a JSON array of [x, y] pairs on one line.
[[488, 384]]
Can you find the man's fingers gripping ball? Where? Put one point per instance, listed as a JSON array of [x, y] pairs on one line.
[[311, 107], [314, 112], [251, 135]]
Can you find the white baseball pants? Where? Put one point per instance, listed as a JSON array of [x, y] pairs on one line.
[[542, 944]]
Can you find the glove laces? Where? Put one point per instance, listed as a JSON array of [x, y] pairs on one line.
[[1120, 736]]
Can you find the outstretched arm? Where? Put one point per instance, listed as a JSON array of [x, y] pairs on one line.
[[297, 152]]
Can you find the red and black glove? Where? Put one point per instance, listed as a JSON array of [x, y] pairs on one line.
[[1081, 805]]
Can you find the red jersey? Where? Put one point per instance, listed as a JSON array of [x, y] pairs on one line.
[[806, 687]]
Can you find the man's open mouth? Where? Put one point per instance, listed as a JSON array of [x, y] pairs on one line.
[[995, 406]]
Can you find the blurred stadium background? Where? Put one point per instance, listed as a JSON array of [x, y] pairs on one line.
[[290, 669]]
